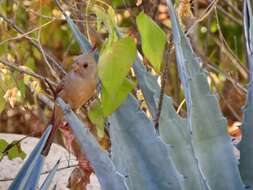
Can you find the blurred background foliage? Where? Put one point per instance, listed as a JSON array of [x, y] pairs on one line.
[[34, 37]]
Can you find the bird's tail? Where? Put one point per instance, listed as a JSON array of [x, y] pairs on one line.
[[50, 139]]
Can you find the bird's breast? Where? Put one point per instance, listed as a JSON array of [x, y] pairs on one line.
[[77, 91]]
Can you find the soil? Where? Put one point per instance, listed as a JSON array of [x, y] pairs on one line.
[[9, 168]]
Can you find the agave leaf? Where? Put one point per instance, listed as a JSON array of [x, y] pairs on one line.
[[148, 85], [172, 127], [246, 144], [34, 177], [108, 176], [24, 173], [211, 142], [49, 177], [173, 130], [139, 153]]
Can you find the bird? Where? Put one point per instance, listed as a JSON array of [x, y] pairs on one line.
[[76, 88]]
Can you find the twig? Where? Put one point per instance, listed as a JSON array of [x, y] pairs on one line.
[[205, 13], [11, 145], [237, 21], [181, 105], [234, 8], [163, 81], [225, 101], [242, 69], [26, 33], [34, 43], [208, 32], [63, 19], [43, 173], [236, 84], [22, 70]]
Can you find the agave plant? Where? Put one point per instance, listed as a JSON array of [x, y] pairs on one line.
[[185, 153]]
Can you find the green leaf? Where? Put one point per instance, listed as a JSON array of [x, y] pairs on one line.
[[30, 62], [16, 151], [115, 63], [2, 100], [111, 103], [118, 3], [3, 145], [96, 116], [153, 39], [22, 88]]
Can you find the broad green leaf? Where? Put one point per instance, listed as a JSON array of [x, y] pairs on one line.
[[3, 145], [96, 116], [111, 103], [153, 40], [115, 63]]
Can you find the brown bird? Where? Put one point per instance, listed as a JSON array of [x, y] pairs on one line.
[[76, 88]]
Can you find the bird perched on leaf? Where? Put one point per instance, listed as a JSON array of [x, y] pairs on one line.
[[76, 88]]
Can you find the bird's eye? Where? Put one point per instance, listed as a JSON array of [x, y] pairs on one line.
[[85, 65]]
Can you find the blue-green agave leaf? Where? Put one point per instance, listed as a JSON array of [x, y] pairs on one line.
[[23, 175], [210, 140], [173, 130], [148, 84], [50, 177], [172, 127], [35, 174], [246, 144], [138, 153], [108, 176]]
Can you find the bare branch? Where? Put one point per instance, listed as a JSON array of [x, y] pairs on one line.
[[34, 43]]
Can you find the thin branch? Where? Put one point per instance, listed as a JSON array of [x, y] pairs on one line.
[[229, 52], [225, 100], [90, 17], [34, 43], [43, 173], [22, 70], [236, 84], [163, 81], [11, 145], [19, 36], [234, 8], [231, 17], [205, 13]]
